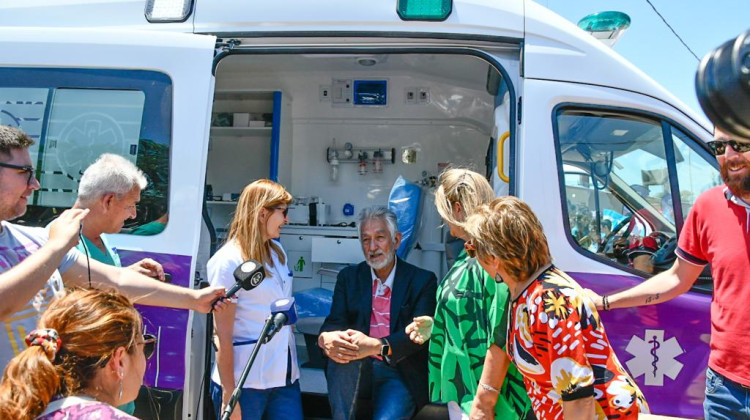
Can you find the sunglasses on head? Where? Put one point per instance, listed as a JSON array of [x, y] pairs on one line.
[[470, 250], [149, 345], [718, 147], [284, 210], [27, 169]]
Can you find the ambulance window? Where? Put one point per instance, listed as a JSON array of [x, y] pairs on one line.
[[616, 185], [74, 116], [696, 171]]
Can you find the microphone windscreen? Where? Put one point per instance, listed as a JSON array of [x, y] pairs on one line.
[[287, 307], [249, 274]]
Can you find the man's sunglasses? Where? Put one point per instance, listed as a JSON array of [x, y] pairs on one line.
[[284, 210], [28, 169], [470, 250], [718, 147], [149, 345]]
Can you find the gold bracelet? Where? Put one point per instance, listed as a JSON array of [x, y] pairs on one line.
[[489, 388]]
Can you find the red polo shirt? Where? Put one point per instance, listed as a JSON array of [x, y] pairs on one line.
[[717, 231]]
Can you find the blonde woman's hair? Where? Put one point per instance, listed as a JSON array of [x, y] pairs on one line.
[[247, 229], [462, 186], [92, 324], [508, 229]]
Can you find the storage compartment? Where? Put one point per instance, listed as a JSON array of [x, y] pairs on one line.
[[337, 250]]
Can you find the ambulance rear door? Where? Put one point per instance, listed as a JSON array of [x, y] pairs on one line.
[[146, 96]]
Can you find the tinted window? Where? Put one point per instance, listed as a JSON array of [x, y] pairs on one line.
[[76, 115]]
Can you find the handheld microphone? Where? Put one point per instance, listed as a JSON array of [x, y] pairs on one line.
[[249, 275], [283, 312]]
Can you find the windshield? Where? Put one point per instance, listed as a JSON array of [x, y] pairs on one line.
[[619, 195]]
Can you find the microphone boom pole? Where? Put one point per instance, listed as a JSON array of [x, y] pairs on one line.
[[238, 390]]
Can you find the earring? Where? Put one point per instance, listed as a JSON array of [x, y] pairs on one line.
[[498, 278], [119, 395]]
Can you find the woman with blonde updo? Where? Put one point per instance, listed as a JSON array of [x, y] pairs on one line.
[[86, 357]]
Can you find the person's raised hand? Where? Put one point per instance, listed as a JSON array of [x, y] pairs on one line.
[[206, 298], [337, 346], [63, 231], [420, 330], [223, 303], [149, 267]]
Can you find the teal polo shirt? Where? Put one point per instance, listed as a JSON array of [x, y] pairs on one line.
[[109, 256]]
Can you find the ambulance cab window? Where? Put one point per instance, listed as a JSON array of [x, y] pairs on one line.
[[694, 172], [616, 186], [74, 116]]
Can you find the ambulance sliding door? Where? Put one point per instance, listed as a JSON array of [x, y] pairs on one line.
[[145, 96], [602, 168]]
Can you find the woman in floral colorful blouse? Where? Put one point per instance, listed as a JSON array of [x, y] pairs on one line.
[[555, 336]]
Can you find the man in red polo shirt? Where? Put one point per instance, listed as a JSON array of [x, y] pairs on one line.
[[716, 231]]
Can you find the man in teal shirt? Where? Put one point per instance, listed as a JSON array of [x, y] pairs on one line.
[[110, 188]]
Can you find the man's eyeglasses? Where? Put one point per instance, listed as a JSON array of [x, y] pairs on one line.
[[284, 210], [28, 169], [470, 250], [149, 345], [718, 147]]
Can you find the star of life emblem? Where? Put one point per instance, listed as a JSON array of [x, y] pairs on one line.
[[654, 357]]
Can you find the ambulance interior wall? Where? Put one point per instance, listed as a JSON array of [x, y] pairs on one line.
[[453, 127]]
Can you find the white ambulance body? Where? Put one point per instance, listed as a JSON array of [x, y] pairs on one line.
[[337, 99]]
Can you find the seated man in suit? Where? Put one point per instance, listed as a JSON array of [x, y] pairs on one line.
[[364, 335]]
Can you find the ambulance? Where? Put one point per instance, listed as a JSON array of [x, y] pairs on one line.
[[349, 104]]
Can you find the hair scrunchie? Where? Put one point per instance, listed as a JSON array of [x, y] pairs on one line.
[[47, 339]]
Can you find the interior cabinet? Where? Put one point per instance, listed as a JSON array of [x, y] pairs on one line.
[[243, 146], [316, 254]]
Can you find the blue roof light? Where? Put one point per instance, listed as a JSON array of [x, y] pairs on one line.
[[607, 27]]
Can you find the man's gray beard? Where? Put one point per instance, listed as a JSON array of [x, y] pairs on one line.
[[384, 264]]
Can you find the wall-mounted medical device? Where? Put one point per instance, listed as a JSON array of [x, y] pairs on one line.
[[369, 159], [351, 92]]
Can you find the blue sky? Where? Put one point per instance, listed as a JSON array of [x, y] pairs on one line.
[[651, 46]]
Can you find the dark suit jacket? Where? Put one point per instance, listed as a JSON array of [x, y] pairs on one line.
[[413, 294]]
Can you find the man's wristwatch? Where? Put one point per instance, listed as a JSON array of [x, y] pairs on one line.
[[385, 349]]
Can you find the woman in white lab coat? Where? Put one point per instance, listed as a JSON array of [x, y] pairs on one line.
[[272, 388]]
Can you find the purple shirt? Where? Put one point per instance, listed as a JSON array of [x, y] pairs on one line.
[[82, 408]]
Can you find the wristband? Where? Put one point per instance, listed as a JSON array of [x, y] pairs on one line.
[[605, 302], [489, 388]]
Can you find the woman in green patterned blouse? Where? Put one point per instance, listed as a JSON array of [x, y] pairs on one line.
[[468, 368]]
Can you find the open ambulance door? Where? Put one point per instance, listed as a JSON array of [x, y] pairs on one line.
[[143, 95], [612, 175]]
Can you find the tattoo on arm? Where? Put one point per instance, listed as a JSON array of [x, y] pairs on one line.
[[653, 298]]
